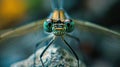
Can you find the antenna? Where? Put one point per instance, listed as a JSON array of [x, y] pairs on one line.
[[61, 4], [57, 4]]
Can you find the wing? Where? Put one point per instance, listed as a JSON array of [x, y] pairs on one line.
[[91, 27], [38, 25]]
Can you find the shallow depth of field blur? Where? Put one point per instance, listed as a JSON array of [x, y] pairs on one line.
[[14, 13]]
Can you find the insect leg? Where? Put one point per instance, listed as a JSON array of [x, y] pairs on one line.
[[71, 50], [45, 50], [37, 45], [77, 39]]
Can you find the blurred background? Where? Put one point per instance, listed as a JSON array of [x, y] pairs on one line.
[[14, 13]]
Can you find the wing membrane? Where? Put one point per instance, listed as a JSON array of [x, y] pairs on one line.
[[90, 27], [38, 25]]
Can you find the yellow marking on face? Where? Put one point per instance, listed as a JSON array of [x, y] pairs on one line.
[[58, 28], [62, 15], [55, 15], [58, 15]]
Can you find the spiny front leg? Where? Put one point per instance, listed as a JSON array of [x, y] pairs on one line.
[[45, 50], [37, 45], [71, 49]]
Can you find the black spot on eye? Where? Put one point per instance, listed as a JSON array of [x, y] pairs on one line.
[[68, 24], [49, 24]]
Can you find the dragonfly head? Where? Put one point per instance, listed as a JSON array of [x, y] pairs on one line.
[[58, 27]]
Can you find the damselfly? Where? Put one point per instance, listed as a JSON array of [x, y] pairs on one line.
[[59, 24]]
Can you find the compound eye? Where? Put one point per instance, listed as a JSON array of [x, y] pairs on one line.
[[48, 25], [69, 25], [68, 20], [49, 20]]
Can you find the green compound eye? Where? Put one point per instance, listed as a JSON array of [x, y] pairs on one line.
[[69, 25], [48, 25]]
